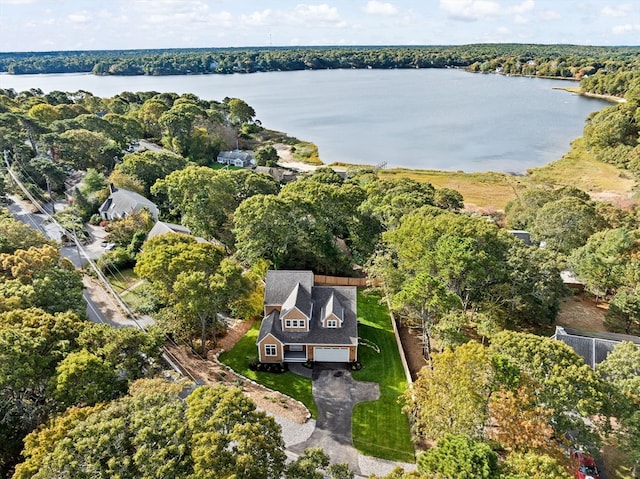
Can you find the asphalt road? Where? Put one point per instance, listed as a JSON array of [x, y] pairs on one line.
[[22, 211]]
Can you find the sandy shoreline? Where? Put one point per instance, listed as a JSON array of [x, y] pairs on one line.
[[579, 91]]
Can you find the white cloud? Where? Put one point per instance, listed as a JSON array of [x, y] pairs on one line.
[[375, 7], [264, 17], [472, 10], [621, 10], [314, 15], [624, 29], [524, 7], [79, 17], [520, 20], [549, 15]]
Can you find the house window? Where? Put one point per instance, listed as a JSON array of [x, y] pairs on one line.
[[294, 323], [270, 350], [332, 323]]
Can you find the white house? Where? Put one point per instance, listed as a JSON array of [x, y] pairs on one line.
[[238, 158], [124, 202]]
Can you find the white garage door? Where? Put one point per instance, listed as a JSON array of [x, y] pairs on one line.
[[338, 355]]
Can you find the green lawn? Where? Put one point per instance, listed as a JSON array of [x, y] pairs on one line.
[[290, 384], [380, 428], [122, 280]]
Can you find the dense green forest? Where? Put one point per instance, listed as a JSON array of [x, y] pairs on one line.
[[496, 395], [561, 61]]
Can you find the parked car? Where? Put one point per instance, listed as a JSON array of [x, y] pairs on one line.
[[584, 466]]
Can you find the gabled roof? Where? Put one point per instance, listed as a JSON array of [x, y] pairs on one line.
[[292, 286], [279, 285], [332, 306], [122, 202], [300, 299], [234, 155], [161, 228]]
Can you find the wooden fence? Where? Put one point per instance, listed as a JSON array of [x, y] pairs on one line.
[[324, 280]]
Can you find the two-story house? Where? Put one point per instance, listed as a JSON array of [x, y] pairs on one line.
[[303, 322]]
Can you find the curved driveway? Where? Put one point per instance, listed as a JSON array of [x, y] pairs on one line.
[[335, 393]]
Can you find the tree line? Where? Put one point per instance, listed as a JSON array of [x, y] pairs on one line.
[[458, 277], [562, 61]]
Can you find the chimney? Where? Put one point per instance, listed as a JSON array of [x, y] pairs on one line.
[[112, 188]]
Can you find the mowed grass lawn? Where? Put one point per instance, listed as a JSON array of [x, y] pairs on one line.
[[245, 351], [379, 427]]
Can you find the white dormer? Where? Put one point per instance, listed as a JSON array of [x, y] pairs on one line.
[[296, 311], [332, 313]]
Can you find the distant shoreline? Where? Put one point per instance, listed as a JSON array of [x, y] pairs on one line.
[[581, 92]]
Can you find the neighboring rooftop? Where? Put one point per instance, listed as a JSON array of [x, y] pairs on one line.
[[124, 202], [593, 346]]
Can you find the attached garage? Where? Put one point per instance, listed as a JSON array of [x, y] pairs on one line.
[[334, 355]]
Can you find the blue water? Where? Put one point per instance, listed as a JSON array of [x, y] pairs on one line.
[[441, 119]]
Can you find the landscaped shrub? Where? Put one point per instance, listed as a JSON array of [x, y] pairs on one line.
[[115, 260], [276, 368]]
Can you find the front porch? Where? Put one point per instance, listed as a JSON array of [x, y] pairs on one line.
[[295, 354]]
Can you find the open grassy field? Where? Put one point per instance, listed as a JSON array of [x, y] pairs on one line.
[[492, 191], [580, 169], [486, 190]]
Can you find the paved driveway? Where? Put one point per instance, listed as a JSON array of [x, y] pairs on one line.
[[335, 393]]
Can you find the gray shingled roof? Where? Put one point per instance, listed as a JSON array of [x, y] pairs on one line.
[[592, 346], [522, 235], [280, 283], [122, 202], [320, 295], [234, 154], [161, 228], [299, 298], [332, 306]]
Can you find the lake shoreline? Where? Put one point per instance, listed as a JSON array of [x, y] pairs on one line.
[[581, 92], [472, 124]]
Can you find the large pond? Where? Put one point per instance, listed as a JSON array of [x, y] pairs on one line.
[[430, 119]]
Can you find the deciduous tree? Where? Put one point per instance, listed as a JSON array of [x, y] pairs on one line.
[[200, 197], [457, 456], [565, 224], [531, 465], [563, 383], [82, 378], [451, 396]]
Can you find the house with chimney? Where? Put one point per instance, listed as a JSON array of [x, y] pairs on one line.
[[304, 322]]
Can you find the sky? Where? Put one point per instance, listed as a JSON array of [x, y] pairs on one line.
[[42, 25]]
